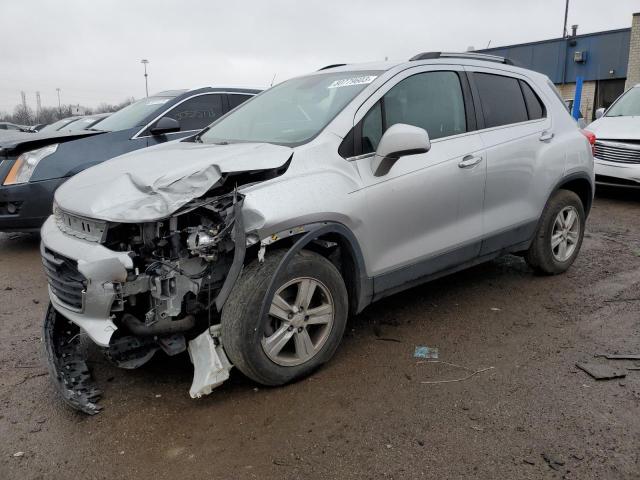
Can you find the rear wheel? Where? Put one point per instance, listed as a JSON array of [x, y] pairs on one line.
[[302, 326], [559, 235]]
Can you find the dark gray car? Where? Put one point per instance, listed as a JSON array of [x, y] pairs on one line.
[[32, 168]]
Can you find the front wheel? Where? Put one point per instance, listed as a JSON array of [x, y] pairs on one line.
[[302, 326], [559, 235]]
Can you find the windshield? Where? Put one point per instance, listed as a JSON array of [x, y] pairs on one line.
[[290, 113], [627, 106], [132, 115], [79, 124], [57, 125]]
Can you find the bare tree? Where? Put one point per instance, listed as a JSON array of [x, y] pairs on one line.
[[23, 114], [26, 116]]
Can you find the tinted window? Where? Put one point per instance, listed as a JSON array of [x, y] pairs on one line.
[[197, 112], [235, 100], [535, 107], [502, 101], [431, 100]]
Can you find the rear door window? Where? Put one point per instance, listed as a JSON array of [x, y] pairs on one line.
[[236, 99], [501, 98]]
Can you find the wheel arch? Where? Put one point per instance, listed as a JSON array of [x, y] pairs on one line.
[[338, 244], [580, 184]]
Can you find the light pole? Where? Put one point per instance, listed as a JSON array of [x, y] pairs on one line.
[[59, 106], [566, 15], [145, 62]]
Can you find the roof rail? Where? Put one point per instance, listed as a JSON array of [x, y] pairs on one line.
[[469, 55], [332, 66]]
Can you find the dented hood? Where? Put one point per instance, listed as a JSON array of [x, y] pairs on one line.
[[151, 184]]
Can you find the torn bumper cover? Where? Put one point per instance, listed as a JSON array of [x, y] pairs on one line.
[[87, 297], [66, 360], [83, 291]]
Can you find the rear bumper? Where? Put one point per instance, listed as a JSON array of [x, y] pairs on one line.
[[25, 207]]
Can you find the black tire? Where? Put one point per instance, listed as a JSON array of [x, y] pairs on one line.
[[540, 255], [243, 329]]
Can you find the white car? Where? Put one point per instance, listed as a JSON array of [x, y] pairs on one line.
[[617, 147]]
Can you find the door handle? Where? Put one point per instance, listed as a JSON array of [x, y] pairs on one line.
[[546, 136], [469, 161]]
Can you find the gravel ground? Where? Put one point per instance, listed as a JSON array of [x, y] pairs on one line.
[[367, 413]]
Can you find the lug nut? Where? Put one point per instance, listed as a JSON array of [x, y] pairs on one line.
[[290, 328], [290, 316], [300, 330], [306, 318]]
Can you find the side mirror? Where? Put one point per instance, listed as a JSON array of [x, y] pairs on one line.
[[599, 113], [398, 141], [165, 125]]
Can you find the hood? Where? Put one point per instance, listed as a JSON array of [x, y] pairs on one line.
[[616, 128], [31, 141], [151, 184]]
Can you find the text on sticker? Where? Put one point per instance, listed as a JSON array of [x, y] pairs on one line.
[[347, 82]]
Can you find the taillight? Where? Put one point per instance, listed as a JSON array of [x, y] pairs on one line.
[[591, 137]]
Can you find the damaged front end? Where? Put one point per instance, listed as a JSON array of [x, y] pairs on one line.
[[137, 288]]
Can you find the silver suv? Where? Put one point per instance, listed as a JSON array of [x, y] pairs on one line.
[[250, 243]]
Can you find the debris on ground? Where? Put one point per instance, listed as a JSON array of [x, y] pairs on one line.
[[554, 462], [473, 372], [601, 372], [425, 352], [495, 309], [18, 454], [618, 356]]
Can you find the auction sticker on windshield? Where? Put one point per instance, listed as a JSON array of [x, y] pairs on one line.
[[348, 82]]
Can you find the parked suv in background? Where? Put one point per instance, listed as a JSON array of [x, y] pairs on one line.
[[32, 168], [250, 243], [617, 148]]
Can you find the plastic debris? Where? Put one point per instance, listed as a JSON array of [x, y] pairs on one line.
[[18, 454], [473, 373], [618, 356], [600, 372], [425, 352]]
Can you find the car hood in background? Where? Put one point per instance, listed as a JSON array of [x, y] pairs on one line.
[[151, 184], [31, 141], [616, 128]]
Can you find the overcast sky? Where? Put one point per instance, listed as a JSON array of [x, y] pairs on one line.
[[92, 49]]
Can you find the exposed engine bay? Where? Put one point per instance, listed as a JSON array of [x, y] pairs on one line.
[[181, 271]]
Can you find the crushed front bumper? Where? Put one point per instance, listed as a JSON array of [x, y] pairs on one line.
[[99, 266]]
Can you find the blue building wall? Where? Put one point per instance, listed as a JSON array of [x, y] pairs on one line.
[[605, 51]]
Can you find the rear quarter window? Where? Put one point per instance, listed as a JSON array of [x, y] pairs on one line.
[[535, 107]]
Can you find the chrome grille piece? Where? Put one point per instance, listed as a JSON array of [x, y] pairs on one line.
[[65, 281], [619, 152]]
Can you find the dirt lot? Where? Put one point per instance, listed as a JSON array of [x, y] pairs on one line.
[[366, 414]]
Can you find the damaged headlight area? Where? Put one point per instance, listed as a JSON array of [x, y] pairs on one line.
[[169, 298]]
